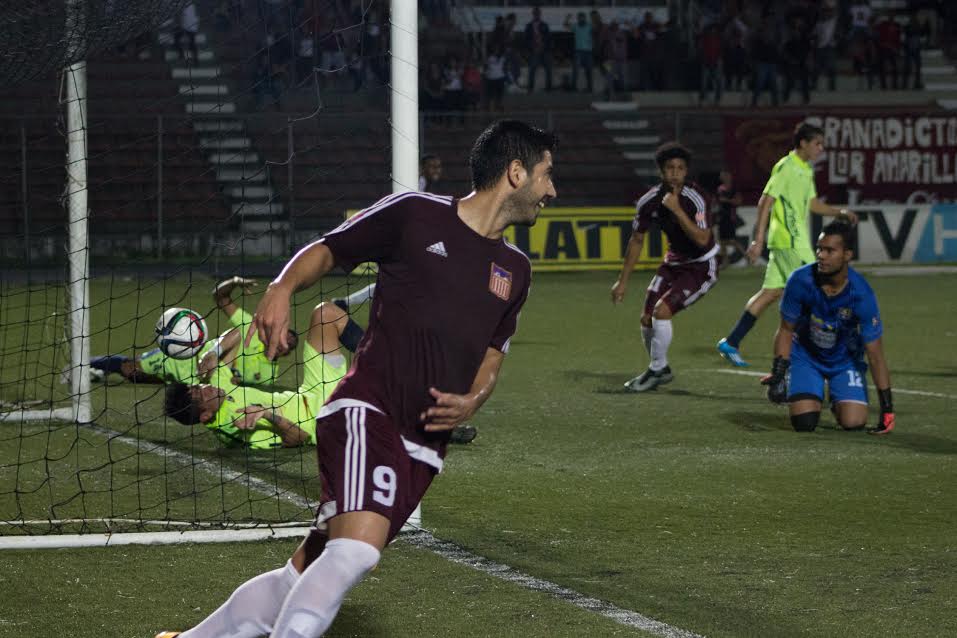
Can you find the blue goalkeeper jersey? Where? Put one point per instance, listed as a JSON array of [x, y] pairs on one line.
[[833, 330]]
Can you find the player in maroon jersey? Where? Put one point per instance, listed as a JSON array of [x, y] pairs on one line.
[[447, 300], [689, 269]]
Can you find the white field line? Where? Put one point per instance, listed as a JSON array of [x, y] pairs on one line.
[[922, 393], [421, 539], [456, 554]]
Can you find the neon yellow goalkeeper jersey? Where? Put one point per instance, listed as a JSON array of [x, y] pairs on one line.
[[296, 406], [172, 370], [251, 364]]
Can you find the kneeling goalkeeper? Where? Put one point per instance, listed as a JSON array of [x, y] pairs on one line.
[[829, 320]]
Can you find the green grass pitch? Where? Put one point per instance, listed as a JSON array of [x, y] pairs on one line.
[[695, 504]]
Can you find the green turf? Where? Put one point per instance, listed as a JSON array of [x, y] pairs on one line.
[[695, 504]]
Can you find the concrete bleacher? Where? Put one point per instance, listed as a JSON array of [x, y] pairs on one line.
[[228, 165], [127, 100]]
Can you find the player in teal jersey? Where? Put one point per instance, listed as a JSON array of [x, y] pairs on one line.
[[787, 198], [246, 416]]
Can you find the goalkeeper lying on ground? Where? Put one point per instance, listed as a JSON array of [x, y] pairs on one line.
[[245, 416], [248, 363]]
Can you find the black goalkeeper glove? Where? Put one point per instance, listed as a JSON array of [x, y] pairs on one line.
[[887, 421], [777, 381]]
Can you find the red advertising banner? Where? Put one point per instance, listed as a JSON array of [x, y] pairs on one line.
[[868, 158]]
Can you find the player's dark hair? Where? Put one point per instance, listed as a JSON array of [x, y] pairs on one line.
[[806, 132], [179, 404], [670, 151], [427, 157], [292, 340], [502, 142], [843, 230]]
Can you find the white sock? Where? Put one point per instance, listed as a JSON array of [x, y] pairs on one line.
[[660, 340], [359, 296], [646, 337], [252, 609], [314, 602]]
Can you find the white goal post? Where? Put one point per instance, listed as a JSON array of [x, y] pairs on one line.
[[405, 136]]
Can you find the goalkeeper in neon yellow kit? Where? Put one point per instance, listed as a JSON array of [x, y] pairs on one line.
[[254, 418], [248, 364]]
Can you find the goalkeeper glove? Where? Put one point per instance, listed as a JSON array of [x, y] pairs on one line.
[[777, 381], [887, 421]]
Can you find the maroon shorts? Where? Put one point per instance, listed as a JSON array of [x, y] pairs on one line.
[[682, 285], [364, 466]]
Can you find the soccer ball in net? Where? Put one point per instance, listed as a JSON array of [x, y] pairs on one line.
[[180, 333]]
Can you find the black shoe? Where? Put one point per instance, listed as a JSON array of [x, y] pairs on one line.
[[463, 434], [342, 303]]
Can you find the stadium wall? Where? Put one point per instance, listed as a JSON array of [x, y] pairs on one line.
[[894, 234], [876, 155]]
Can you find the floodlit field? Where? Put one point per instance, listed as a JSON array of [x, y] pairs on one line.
[[694, 505]]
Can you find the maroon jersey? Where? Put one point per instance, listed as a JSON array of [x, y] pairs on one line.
[[681, 249], [444, 295]]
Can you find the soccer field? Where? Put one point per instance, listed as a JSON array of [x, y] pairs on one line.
[[695, 505]]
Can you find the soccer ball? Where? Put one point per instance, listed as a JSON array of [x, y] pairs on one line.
[[180, 333]]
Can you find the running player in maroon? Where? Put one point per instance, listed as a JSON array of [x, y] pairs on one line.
[[446, 305], [689, 269]]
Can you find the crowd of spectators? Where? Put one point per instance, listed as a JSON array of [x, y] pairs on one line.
[[341, 44], [800, 48], [782, 49]]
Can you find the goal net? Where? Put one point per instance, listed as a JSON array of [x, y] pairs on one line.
[[150, 150]]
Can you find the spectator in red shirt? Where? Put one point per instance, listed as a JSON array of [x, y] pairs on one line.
[[709, 45], [888, 50]]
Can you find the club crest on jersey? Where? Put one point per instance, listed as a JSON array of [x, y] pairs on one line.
[[500, 282], [845, 313]]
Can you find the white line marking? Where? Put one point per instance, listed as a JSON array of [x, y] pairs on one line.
[[424, 540], [456, 554], [921, 393]]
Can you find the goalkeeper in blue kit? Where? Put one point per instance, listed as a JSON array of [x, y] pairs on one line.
[[829, 322]]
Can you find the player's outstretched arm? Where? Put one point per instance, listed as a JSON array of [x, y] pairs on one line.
[[271, 320], [224, 351], [223, 293], [760, 228], [290, 433], [632, 253], [882, 379], [450, 409], [819, 207]]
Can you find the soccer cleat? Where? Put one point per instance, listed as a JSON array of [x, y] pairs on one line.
[[168, 634], [342, 303], [463, 434], [650, 379], [731, 353]]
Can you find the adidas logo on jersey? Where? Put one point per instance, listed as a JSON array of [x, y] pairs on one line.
[[438, 248]]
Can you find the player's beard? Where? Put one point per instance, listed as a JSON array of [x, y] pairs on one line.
[[830, 276], [523, 208]]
